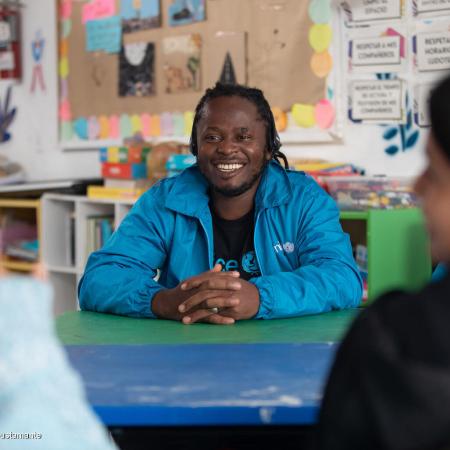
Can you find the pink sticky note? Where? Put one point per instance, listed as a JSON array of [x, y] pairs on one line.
[[324, 113], [98, 9], [166, 124], [392, 32], [65, 113], [114, 127], [145, 123], [66, 9]]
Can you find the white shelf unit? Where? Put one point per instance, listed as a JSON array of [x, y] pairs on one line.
[[65, 269]]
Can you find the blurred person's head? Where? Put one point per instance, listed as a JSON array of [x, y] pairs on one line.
[[433, 185]]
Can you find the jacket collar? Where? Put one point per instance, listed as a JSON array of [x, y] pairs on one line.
[[189, 194]]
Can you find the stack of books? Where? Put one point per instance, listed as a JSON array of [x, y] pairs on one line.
[[124, 170]]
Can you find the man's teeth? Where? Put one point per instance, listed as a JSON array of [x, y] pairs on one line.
[[229, 167]]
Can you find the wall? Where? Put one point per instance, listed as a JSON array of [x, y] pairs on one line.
[[34, 142]]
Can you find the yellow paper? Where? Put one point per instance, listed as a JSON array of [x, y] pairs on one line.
[[320, 36], [303, 115], [155, 125], [136, 124], [188, 121], [104, 127], [321, 64], [63, 67], [113, 154]]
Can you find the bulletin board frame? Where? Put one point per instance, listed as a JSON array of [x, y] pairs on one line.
[[308, 131]]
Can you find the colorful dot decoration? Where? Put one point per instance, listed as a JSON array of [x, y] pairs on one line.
[[320, 36]]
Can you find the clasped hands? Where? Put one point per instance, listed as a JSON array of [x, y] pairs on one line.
[[213, 297]]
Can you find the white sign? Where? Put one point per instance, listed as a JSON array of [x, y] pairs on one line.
[[379, 100], [433, 51], [426, 6], [367, 10], [422, 94], [7, 61], [375, 52]]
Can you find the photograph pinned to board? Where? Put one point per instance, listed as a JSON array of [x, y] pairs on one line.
[[185, 12], [377, 101], [181, 57], [140, 15], [137, 70], [37, 50], [360, 11], [377, 49], [227, 56]]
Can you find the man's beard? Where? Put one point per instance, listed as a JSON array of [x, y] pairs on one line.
[[234, 192]]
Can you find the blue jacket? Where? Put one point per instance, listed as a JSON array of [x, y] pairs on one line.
[[305, 259]]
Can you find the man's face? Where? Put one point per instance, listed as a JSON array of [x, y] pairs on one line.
[[433, 187], [232, 146]]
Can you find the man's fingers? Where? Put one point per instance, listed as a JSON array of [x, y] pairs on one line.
[[209, 299], [196, 316], [198, 280], [222, 280], [218, 319]]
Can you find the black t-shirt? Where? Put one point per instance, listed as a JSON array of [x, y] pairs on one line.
[[233, 245]]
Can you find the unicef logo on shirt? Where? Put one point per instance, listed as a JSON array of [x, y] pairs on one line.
[[249, 263], [288, 247]]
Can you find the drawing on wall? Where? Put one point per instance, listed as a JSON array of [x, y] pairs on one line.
[[140, 15], [184, 12], [6, 116], [405, 134], [37, 50], [137, 70], [181, 63], [228, 75]]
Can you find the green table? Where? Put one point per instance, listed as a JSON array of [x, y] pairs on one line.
[[81, 328]]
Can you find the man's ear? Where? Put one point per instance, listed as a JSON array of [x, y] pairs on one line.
[[268, 154]]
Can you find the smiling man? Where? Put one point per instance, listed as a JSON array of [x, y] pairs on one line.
[[234, 237]]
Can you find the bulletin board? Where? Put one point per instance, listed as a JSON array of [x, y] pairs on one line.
[[281, 47]]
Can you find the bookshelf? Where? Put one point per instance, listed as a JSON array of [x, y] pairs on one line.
[[26, 211], [396, 241], [65, 239]]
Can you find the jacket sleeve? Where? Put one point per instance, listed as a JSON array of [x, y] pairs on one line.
[[119, 278], [326, 277]]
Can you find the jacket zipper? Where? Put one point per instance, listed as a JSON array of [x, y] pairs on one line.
[[254, 242]]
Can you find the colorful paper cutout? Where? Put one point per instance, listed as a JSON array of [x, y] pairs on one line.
[[303, 115], [324, 114], [185, 12], [66, 9], [321, 64], [66, 131], [166, 124], [103, 122], [280, 117], [65, 113], [155, 125], [178, 124], [145, 123], [93, 128], [320, 36], [125, 126], [63, 87], [98, 9], [320, 11], [63, 48], [103, 35], [114, 127], [63, 67], [80, 127], [188, 122], [392, 32], [136, 125], [66, 28]]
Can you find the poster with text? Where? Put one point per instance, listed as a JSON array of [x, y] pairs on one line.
[[431, 46], [359, 11], [377, 101]]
